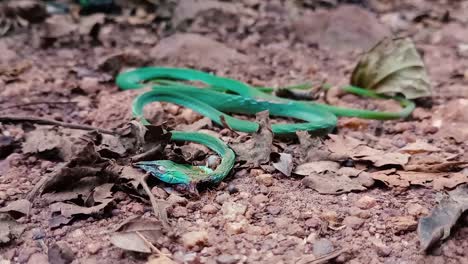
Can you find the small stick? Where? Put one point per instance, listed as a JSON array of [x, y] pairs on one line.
[[157, 208], [44, 121], [34, 103], [322, 259], [153, 248]]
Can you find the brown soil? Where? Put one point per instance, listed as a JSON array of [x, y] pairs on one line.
[[277, 219]]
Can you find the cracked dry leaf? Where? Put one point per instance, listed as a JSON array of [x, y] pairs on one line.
[[129, 235], [437, 181], [283, 163], [437, 226], [332, 183], [46, 141], [419, 147], [9, 229], [17, 208], [69, 210], [393, 66], [79, 190], [317, 167], [311, 148], [346, 146], [257, 150]]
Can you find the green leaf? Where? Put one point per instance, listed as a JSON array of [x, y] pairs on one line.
[[393, 66]]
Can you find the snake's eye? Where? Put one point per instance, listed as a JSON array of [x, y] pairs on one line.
[[161, 169]]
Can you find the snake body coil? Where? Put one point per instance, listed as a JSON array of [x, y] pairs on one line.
[[224, 95]]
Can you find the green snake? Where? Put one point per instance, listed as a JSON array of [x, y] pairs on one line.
[[223, 95]]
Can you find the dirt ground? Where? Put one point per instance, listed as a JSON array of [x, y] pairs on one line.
[[257, 215]]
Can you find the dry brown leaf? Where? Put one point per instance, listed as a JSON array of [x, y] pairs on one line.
[[419, 147], [81, 189], [103, 192], [17, 208], [128, 235], [355, 149], [437, 226], [450, 181], [257, 150], [59, 26], [70, 210], [437, 181], [89, 23], [9, 229], [442, 166], [284, 162], [42, 140], [311, 148], [317, 167], [393, 66], [332, 183]]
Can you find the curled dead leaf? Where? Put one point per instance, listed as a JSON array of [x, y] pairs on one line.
[[438, 225], [393, 66]]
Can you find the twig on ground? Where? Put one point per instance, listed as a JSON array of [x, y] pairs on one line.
[[322, 259], [34, 103], [44, 121], [157, 205], [148, 154]]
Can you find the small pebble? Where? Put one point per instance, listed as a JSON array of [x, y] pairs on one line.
[[259, 199], [195, 238], [78, 233], [38, 233], [231, 210], [213, 161], [174, 199], [381, 249], [366, 202], [403, 223], [265, 179], [159, 192], [330, 216], [274, 210], [227, 259], [322, 247], [312, 223], [93, 248], [232, 189], [353, 222], [179, 211], [417, 210], [209, 209], [38, 258], [222, 198], [234, 228]]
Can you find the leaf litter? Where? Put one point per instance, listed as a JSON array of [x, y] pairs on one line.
[[439, 224], [284, 165]]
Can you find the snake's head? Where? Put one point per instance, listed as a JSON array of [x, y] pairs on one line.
[[166, 171]]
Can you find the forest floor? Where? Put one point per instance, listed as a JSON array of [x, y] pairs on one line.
[[64, 69]]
